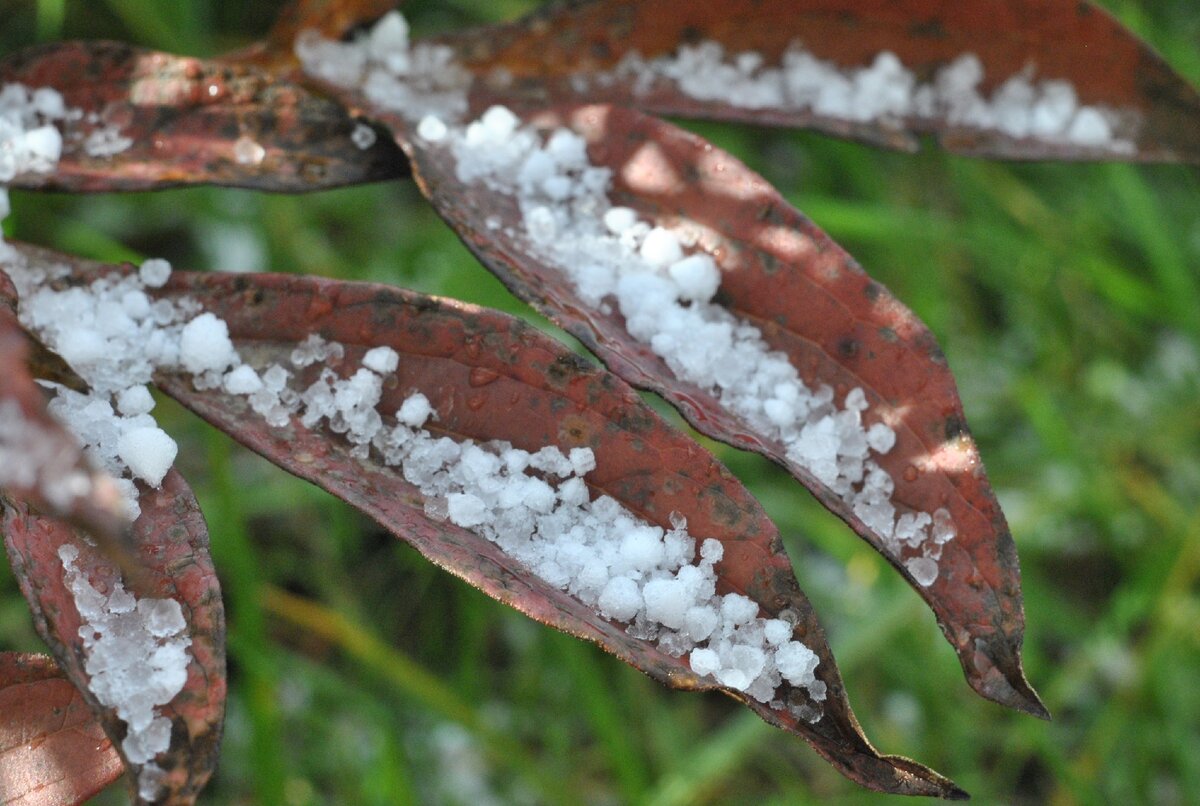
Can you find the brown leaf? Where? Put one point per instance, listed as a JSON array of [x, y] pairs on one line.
[[173, 547], [491, 377], [191, 121], [812, 302], [52, 472], [53, 752], [541, 59]]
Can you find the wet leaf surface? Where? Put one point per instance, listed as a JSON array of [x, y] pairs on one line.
[[473, 363], [813, 302], [190, 121], [53, 752], [567, 53], [173, 547], [42, 463]]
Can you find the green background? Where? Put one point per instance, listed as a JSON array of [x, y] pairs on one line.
[[1065, 297]]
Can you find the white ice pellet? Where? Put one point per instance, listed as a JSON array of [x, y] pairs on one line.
[[466, 510], [415, 411], [661, 248], [923, 570], [135, 400], [363, 136], [383, 360], [155, 272], [431, 129], [621, 599], [620, 219], [242, 380], [696, 276], [204, 345], [148, 453]]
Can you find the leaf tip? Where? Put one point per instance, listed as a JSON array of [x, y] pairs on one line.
[[996, 674]]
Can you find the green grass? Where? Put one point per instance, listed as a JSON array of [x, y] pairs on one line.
[[1065, 297]]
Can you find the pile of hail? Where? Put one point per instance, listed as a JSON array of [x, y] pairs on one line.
[[659, 282], [885, 91]]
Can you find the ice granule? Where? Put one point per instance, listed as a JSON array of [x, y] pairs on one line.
[[383, 360], [155, 272], [923, 569], [148, 453], [363, 136], [135, 400], [204, 345]]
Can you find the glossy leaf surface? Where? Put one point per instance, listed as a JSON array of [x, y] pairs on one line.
[[173, 548], [568, 52], [191, 121], [53, 752]]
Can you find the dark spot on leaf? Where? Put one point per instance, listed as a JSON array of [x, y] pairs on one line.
[[955, 427], [889, 335], [848, 347], [872, 290]]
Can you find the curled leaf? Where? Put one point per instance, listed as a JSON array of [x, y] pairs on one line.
[[837, 328], [53, 752], [136, 119], [490, 377], [60, 575], [1032, 79]]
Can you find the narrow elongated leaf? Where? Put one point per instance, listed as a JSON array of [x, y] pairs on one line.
[[811, 302], [146, 120], [53, 752], [39, 461], [173, 545], [813, 63], [488, 376]]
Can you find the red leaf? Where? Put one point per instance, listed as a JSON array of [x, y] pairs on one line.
[[471, 364], [52, 750], [42, 463], [812, 302], [543, 57], [173, 547], [191, 121]]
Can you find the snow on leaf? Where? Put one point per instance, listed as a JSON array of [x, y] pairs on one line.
[[70, 586], [1033, 79], [53, 752], [490, 377], [135, 119], [806, 302]]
